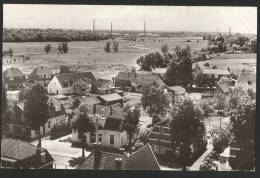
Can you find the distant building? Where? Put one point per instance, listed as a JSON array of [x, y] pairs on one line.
[[41, 74], [142, 159], [17, 154], [62, 83], [216, 73], [13, 78]]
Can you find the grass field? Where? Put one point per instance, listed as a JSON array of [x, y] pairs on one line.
[[91, 55]]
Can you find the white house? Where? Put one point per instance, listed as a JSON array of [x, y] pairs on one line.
[[109, 134], [61, 83]]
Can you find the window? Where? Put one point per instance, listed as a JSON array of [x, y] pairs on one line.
[[5, 164], [111, 139], [49, 124], [99, 138], [92, 138]]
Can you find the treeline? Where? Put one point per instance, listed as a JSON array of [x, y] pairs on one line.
[[42, 35]]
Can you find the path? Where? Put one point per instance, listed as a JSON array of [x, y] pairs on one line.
[[197, 163]]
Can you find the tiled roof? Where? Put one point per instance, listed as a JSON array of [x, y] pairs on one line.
[[41, 70], [216, 71], [107, 161], [74, 77], [110, 97], [143, 159], [18, 150], [13, 72], [113, 124]]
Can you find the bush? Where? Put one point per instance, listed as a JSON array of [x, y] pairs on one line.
[[206, 64], [220, 139], [115, 46], [65, 47], [47, 48], [107, 47], [164, 48]]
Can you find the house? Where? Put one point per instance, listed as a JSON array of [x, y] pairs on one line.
[[109, 133], [124, 79], [216, 73], [110, 99], [100, 160], [19, 127], [160, 139], [247, 79], [62, 83], [17, 154], [13, 78], [41, 74]]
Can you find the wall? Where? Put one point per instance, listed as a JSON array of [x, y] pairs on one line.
[[53, 86]]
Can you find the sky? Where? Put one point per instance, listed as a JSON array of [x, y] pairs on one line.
[[157, 18]]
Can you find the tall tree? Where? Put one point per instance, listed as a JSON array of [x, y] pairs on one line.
[[115, 46], [154, 100], [84, 124], [243, 129], [36, 108], [187, 129], [107, 47], [131, 116], [47, 48]]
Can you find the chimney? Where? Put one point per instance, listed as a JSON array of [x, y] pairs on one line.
[[97, 155], [118, 163], [94, 109], [110, 110]]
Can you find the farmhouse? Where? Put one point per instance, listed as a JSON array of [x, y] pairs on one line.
[[41, 74], [13, 78], [62, 83], [23, 155], [109, 134], [215, 73], [114, 161]]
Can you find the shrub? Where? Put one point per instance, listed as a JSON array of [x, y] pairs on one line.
[[47, 48], [107, 47], [206, 64], [164, 48]]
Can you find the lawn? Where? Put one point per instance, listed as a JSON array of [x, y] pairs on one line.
[[90, 55]]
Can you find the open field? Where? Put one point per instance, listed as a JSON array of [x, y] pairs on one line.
[[90, 55]]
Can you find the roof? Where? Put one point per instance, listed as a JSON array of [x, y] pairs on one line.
[[41, 70], [135, 161], [90, 100], [20, 105], [13, 72], [107, 161], [74, 77], [224, 84], [148, 78], [17, 149], [110, 97], [226, 152], [104, 111], [129, 76], [216, 71], [177, 89], [160, 70], [113, 124], [143, 159]]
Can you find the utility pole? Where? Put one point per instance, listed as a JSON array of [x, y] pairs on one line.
[[93, 25], [111, 28], [144, 29]]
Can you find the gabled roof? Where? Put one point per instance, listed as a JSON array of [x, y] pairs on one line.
[[41, 70], [19, 150], [216, 71], [110, 97], [143, 159], [74, 77], [113, 124], [13, 72]]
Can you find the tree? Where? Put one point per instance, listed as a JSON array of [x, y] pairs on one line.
[[65, 47], [154, 100], [221, 138], [252, 46], [4, 111], [187, 130], [115, 46], [164, 48], [84, 124], [243, 129], [60, 47], [107, 47], [36, 108], [11, 52], [130, 123], [47, 48]]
